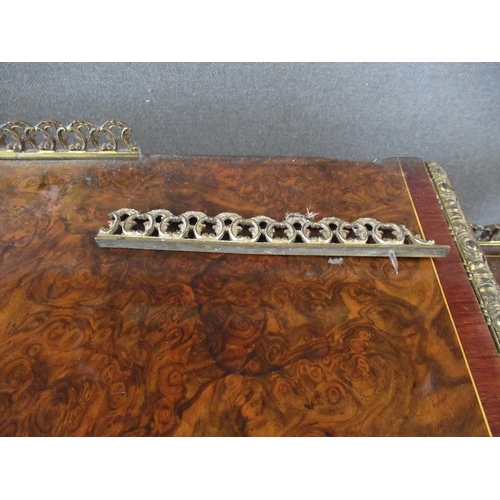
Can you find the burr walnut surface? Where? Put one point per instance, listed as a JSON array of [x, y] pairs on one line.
[[118, 342]]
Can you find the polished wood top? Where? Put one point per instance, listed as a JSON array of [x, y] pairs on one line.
[[110, 342]]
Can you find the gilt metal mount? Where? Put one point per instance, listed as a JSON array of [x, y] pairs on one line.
[[295, 235], [475, 262], [81, 139], [487, 236]]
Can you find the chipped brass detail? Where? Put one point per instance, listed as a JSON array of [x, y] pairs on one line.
[[230, 233], [81, 139], [485, 286]]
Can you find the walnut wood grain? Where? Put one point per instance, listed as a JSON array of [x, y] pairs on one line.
[[110, 342]]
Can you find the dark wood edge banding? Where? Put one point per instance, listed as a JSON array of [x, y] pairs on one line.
[[474, 334], [482, 280]]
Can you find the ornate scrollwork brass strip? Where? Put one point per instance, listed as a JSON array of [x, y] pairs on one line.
[[487, 236], [230, 233], [485, 286], [81, 139]]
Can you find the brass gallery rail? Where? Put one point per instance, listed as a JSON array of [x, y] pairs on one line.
[[297, 234]]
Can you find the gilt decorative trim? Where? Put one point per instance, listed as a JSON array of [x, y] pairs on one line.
[[230, 233], [487, 236], [485, 286], [81, 139]]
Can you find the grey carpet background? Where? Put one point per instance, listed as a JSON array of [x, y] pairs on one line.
[[449, 113]]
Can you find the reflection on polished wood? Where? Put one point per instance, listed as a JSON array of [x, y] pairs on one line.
[[137, 342]]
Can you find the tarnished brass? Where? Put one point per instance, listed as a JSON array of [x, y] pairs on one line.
[[487, 236], [295, 235], [485, 286], [81, 139]]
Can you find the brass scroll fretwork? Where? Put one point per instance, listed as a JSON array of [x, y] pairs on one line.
[[487, 236], [231, 233], [81, 139]]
